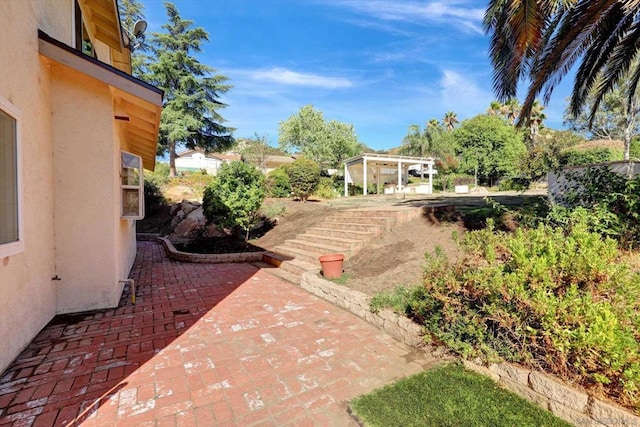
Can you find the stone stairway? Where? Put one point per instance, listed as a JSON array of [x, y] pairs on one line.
[[345, 231]]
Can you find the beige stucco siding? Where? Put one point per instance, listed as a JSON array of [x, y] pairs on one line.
[[27, 293], [84, 191]]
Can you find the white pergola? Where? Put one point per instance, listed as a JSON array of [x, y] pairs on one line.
[[384, 169]]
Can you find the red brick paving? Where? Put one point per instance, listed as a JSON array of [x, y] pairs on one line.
[[206, 344]]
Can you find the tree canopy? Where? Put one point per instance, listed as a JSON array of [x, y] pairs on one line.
[[190, 114], [490, 146], [326, 143]]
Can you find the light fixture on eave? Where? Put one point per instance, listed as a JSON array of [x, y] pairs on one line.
[[137, 35]]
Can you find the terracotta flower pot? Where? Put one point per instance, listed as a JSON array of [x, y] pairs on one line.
[[331, 265]]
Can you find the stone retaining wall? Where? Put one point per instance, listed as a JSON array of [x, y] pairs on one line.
[[568, 403], [177, 255]]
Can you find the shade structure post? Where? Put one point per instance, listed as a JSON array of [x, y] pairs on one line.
[[364, 184], [346, 182], [399, 175]]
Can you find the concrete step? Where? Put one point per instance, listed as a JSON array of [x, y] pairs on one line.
[[350, 244], [362, 236], [317, 247], [401, 213], [352, 226], [284, 274], [298, 267], [299, 254], [386, 222]]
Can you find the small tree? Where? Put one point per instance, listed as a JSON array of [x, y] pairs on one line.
[[233, 198], [304, 175], [278, 183]]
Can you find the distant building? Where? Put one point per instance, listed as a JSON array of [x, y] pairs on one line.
[[197, 160]]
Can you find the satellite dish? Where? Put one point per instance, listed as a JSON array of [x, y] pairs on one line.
[[139, 27]]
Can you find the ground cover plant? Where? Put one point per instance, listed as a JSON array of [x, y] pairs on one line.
[[448, 396], [560, 299]]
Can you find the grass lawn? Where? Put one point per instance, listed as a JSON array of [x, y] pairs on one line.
[[448, 395]]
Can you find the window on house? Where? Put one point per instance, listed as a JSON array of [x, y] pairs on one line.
[[132, 184], [83, 41], [11, 239]]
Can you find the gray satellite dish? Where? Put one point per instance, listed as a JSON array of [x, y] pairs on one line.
[[139, 27]]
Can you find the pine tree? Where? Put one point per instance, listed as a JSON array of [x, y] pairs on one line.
[[190, 115]]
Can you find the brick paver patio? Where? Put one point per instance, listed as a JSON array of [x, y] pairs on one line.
[[205, 345]]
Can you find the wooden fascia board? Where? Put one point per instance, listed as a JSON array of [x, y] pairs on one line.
[[99, 71]]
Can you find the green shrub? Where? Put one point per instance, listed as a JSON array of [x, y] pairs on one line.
[[234, 197], [611, 199], [560, 300], [153, 198], [278, 183], [588, 157], [160, 175], [514, 184], [304, 175], [326, 188]]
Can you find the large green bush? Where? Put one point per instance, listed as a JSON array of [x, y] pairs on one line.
[[326, 188], [304, 175], [234, 197], [561, 300], [588, 157], [278, 183]]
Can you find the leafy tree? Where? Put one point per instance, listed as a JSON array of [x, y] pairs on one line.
[[616, 116], [542, 40], [256, 151], [326, 143], [190, 109], [489, 147], [234, 196], [548, 153], [278, 183], [304, 175], [130, 13], [450, 120]]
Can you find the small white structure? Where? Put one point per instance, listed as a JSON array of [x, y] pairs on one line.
[[197, 160], [387, 171]]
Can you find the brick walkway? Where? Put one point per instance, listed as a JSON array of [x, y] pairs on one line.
[[206, 344]]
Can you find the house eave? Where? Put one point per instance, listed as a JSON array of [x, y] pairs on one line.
[[137, 102]]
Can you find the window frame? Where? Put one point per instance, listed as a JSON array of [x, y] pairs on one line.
[[17, 246], [124, 188]]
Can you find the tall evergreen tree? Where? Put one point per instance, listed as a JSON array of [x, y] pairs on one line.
[[190, 115], [130, 13]]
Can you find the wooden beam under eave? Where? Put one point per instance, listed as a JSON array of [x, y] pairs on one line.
[[141, 147]]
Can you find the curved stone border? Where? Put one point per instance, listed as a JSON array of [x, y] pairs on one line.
[[147, 237], [566, 402], [177, 255]]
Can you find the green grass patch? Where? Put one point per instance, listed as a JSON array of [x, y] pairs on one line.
[[449, 395]]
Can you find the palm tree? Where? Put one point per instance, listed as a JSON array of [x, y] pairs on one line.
[[450, 120], [511, 110], [494, 108], [536, 118], [541, 40]]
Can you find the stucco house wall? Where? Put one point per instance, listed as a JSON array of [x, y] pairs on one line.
[[27, 293], [77, 248]]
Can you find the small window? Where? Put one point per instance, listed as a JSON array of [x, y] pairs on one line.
[[132, 184], [11, 235]]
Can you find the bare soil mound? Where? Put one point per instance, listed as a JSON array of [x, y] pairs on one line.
[[392, 259]]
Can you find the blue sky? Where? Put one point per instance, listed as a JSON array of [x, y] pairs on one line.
[[380, 65]]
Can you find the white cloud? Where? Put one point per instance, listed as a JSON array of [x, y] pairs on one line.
[[458, 13], [462, 94], [293, 78]]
